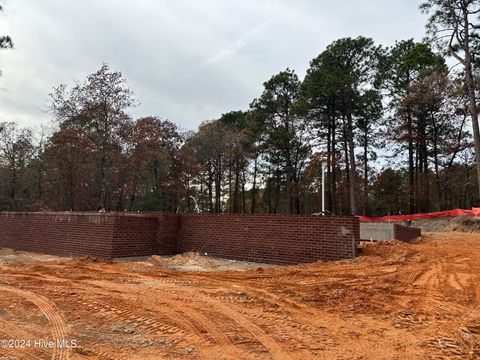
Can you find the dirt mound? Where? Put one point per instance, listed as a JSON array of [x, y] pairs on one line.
[[9, 256], [469, 224], [384, 248], [192, 261], [392, 252]]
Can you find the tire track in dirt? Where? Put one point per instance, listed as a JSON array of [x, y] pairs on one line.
[[310, 316], [429, 277], [150, 326], [211, 327], [306, 314], [307, 317], [296, 309], [184, 328], [442, 278], [14, 354], [186, 292], [49, 310], [9, 330], [259, 334], [272, 345], [282, 303], [141, 322], [11, 351], [225, 341], [271, 314], [194, 280]]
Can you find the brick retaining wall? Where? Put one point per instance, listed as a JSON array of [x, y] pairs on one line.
[[81, 234], [277, 239], [406, 233], [58, 233], [267, 238]]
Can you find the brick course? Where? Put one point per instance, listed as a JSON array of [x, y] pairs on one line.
[[277, 239], [58, 233], [406, 233]]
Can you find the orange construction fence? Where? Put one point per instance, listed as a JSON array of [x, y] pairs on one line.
[[455, 212]]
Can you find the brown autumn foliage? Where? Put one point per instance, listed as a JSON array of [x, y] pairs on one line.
[[98, 157]]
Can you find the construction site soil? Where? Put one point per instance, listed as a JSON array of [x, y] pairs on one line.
[[469, 224], [395, 301]]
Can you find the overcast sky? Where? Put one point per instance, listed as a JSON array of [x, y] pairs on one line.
[[186, 60]]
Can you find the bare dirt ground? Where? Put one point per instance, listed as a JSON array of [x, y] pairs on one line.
[[396, 301], [469, 224]]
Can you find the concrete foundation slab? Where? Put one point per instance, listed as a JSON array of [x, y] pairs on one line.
[[377, 231]]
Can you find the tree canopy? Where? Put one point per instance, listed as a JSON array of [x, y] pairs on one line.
[[395, 129]]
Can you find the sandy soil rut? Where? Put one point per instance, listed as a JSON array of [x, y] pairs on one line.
[[396, 301]]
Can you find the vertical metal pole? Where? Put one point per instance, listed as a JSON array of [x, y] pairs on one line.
[[324, 165]]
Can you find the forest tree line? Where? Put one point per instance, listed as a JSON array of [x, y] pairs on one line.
[[392, 124]]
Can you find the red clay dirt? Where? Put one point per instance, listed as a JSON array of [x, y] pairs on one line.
[[396, 301]]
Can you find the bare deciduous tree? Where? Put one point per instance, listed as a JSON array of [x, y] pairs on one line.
[[454, 26]]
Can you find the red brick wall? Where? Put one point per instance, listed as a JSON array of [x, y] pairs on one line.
[[406, 233], [168, 226], [267, 238], [58, 233], [134, 235], [277, 239], [109, 235]]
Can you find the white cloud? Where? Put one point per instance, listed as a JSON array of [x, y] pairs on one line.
[[240, 43], [186, 60]]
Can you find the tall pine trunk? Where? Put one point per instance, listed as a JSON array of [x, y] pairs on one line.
[[333, 175], [365, 172], [411, 165], [254, 186], [353, 170], [472, 104]]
